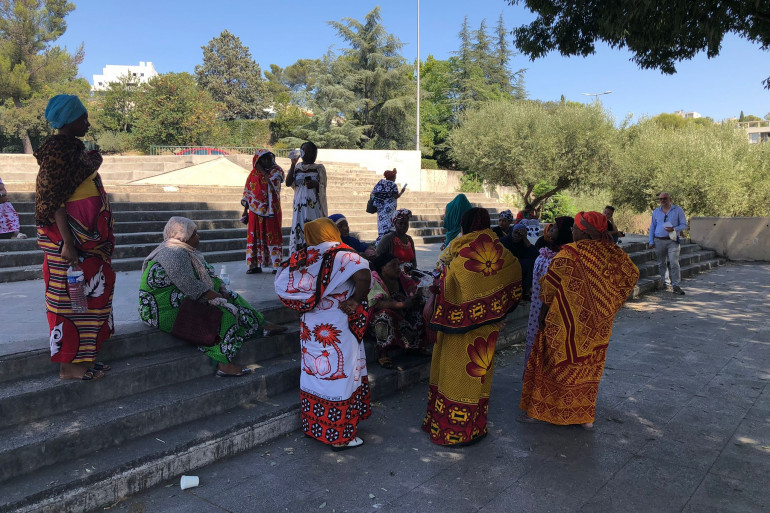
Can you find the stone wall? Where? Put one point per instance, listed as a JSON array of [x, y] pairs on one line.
[[735, 238]]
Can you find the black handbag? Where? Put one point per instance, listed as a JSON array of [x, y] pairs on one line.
[[370, 208], [197, 323]]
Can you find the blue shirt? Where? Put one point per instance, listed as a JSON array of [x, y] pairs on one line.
[[675, 216]]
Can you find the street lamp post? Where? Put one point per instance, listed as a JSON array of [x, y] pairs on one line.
[[417, 132], [596, 95]]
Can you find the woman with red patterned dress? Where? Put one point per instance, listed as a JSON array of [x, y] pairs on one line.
[[262, 212], [328, 283]]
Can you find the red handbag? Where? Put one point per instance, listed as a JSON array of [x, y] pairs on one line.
[[197, 323]]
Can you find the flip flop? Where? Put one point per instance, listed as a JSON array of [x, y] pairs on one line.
[[356, 442], [385, 362], [254, 270], [89, 375], [244, 372], [100, 366]]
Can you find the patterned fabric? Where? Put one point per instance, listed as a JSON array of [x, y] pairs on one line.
[[77, 337], [9, 219], [262, 195], [160, 299], [594, 224], [480, 285], [402, 213], [333, 382], [384, 198], [64, 165], [395, 328], [505, 214], [584, 287], [309, 204], [541, 266]]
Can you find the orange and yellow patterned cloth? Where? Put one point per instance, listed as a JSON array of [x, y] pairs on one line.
[[585, 286], [479, 286]]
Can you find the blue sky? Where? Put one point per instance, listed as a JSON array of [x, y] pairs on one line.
[[170, 33]]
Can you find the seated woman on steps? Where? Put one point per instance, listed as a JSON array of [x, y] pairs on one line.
[[361, 248], [9, 219], [395, 304], [176, 270]]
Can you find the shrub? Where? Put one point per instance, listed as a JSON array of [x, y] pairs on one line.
[[428, 164]]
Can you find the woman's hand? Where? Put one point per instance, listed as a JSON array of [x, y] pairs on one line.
[[69, 253], [349, 306], [210, 294]]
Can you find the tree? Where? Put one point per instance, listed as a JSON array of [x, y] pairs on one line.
[[658, 33], [436, 114], [30, 67], [232, 77], [171, 110], [523, 143], [380, 80], [115, 105]]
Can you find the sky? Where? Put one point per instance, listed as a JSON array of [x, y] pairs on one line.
[[170, 33]]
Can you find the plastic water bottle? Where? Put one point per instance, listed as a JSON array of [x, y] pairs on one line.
[[224, 276], [75, 283]]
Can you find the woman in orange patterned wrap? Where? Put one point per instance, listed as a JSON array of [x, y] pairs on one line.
[[477, 289], [584, 287]]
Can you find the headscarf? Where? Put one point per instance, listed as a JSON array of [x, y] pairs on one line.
[[177, 232], [505, 214], [520, 226], [258, 155], [474, 220], [402, 213], [336, 218], [390, 174], [454, 214], [594, 224], [63, 109], [321, 230]]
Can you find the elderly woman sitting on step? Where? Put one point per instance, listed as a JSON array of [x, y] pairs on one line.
[[176, 270]]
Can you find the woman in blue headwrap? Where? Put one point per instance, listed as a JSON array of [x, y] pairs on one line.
[[453, 215], [74, 229]]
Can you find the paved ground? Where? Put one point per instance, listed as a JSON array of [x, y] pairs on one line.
[[683, 424]]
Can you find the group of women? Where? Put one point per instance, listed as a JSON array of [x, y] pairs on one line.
[[580, 280]]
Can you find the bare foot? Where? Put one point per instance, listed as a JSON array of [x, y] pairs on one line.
[[588, 426]]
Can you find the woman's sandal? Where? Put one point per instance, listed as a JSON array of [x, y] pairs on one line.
[[88, 375], [222, 374], [100, 366], [254, 270], [385, 362], [356, 442]]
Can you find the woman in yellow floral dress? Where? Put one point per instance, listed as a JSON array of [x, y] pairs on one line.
[[477, 289]]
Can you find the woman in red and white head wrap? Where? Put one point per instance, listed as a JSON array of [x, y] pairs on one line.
[[262, 213]]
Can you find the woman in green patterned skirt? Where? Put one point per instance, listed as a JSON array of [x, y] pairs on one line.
[[175, 270]]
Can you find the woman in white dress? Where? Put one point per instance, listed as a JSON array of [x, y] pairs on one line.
[[308, 180]]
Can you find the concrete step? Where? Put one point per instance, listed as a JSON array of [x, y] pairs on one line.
[[653, 282]]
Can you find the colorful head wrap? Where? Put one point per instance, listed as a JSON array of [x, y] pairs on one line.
[[475, 219], [390, 174], [321, 230], [402, 213], [594, 224], [336, 218], [454, 214], [505, 214], [259, 154], [63, 109]]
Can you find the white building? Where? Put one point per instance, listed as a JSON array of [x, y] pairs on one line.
[[688, 115], [113, 72]]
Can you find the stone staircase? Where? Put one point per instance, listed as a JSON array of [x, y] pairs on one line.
[[141, 212]]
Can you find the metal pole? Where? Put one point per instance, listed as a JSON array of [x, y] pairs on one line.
[[417, 133]]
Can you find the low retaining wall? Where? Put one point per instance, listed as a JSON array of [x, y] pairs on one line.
[[407, 162], [735, 238]]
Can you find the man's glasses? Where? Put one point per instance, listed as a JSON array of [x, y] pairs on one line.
[[662, 199]]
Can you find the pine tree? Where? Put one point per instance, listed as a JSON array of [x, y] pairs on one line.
[[233, 78]]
